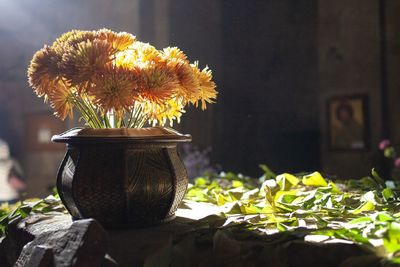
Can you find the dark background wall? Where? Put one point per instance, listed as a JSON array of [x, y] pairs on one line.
[[270, 86], [265, 60]]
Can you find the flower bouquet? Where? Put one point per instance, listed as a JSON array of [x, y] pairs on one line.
[[115, 81]]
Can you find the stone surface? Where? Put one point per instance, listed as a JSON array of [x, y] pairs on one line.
[[131, 247], [83, 244], [41, 257], [22, 232], [3, 259], [186, 241], [301, 254]]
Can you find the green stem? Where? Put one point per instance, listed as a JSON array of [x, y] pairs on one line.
[[83, 112], [137, 115], [90, 115], [92, 111], [106, 121], [130, 116]]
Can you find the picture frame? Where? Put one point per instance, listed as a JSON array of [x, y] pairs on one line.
[[348, 123], [39, 128]]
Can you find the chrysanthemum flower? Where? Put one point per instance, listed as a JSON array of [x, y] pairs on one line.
[[120, 41], [43, 71], [114, 89], [62, 101], [137, 55], [89, 58], [161, 113], [157, 82], [71, 39], [174, 53], [145, 53], [207, 92], [126, 59], [188, 87], [171, 110]]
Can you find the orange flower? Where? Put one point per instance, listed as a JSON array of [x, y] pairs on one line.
[[114, 89], [82, 63], [157, 82], [62, 101], [120, 41], [188, 87], [43, 71], [71, 39], [207, 92]]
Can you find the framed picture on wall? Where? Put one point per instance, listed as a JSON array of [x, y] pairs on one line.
[[348, 122], [40, 127]]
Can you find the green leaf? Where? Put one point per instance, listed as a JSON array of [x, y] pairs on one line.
[[369, 182], [392, 239], [287, 181], [24, 211], [389, 152], [314, 179], [237, 183], [377, 178], [364, 219], [268, 174], [285, 197], [248, 208], [384, 217], [252, 194], [321, 223], [335, 189], [200, 181], [388, 194], [232, 208], [367, 206]]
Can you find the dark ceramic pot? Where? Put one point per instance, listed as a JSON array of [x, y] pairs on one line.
[[122, 177]]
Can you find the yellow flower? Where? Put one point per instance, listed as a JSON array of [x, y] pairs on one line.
[[157, 82], [114, 89], [43, 71], [90, 57], [126, 59], [171, 110], [161, 113], [146, 52], [207, 92], [62, 101], [120, 41], [137, 55], [174, 53]]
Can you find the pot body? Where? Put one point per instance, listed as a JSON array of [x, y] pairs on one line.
[[122, 183]]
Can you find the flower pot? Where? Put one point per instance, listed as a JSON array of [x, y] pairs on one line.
[[122, 177]]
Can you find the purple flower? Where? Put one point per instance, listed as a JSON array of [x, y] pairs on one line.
[[397, 162], [384, 144]]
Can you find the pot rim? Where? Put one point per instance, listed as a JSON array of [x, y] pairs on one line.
[[121, 135]]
